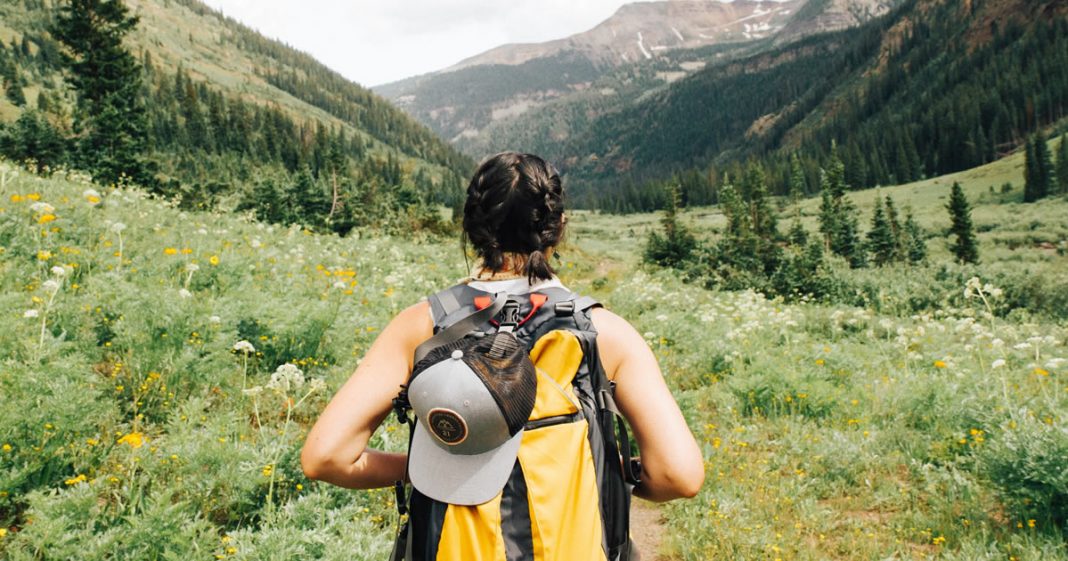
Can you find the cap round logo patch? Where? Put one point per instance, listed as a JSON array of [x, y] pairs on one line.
[[447, 425]]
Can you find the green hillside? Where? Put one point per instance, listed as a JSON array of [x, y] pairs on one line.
[[233, 115]]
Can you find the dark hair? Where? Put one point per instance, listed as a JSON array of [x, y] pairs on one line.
[[515, 203]]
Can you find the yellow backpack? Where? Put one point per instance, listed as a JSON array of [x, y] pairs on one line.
[[568, 495]]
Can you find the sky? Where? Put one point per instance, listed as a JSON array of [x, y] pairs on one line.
[[373, 42]]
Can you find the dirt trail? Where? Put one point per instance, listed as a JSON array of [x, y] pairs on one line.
[[646, 529]]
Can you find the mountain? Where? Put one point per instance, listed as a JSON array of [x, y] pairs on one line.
[[528, 94], [237, 118], [459, 101], [936, 86]]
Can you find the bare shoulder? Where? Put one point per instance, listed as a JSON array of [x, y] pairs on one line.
[[617, 339]]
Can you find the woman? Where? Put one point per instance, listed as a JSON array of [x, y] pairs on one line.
[[514, 218]]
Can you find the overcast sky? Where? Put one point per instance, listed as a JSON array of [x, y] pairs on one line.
[[374, 42]]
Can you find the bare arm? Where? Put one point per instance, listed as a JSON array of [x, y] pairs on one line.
[[672, 465], [336, 448]]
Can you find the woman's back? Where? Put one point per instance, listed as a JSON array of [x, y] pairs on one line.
[[514, 219]]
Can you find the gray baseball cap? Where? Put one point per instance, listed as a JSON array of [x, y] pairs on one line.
[[472, 399]]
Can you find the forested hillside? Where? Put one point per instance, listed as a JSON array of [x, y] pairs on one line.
[[233, 118], [932, 88]]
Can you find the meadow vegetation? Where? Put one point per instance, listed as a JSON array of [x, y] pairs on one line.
[[161, 368]]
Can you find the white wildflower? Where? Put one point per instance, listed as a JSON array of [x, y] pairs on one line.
[[50, 285], [243, 346], [285, 377], [972, 287], [117, 227], [1022, 346], [317, 384], [184, 293], [30, 314], [215, 319], [192, 267], [340, 285], [997, 363], [59, 271], [254, 390], [41, 207]]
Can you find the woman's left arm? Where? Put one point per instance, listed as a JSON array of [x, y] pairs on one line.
[[336, 448]]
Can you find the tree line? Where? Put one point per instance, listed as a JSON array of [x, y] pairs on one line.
[[127, 119], [753, 252]]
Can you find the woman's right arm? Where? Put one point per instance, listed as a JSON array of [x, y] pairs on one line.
[[672, 464], [335, 450]]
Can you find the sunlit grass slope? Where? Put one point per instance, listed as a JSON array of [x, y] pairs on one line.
[[829, 432]]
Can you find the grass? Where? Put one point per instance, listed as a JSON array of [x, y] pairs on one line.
[[829, 432]]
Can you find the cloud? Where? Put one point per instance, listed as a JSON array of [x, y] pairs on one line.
[[378, 41]]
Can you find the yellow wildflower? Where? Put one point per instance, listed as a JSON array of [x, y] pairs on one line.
[[7, 447], [45, 218], [820, 362], [75, 480], [939, 364], [44, 255], [186, 251], [134, 439], [1041, 371], [34, 196], [16, 198], [170, 251], [214, 259]]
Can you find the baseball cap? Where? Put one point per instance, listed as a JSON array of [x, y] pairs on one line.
[[472, 399]]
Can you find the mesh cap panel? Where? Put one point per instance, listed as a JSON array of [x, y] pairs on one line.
[[504, 366]]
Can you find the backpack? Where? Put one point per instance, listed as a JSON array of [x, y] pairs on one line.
[[569, 492]]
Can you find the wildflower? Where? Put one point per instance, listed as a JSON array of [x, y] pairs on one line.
[[192, 267], [3, 532], [317, 384], [42, 208], [6, 447], [30, 314], [1041, 372], [117, 227], [184, 293], [215, 319], [50, 285], [997, 363], [44, 255], [253, 391], [939, 540], [244, 347], [267, 470], [91, 196], [134, 439], [214, 259], [939, 364], [285, 377], [75, 480], [46, 218], [170, 251], [59, 271]]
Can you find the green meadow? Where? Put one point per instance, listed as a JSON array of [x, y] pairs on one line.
[[145, 415]]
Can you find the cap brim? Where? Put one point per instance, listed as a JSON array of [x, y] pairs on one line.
[[457, 478]]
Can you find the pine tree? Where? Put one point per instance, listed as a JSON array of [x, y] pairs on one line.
[[798, 187], [674, 247], [1062, 165], [111, 115], [881, 237], [966, 247], [895, 230], [915, 240], [1047, 180], [761, 216], [1031, 173], [838, 216]]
